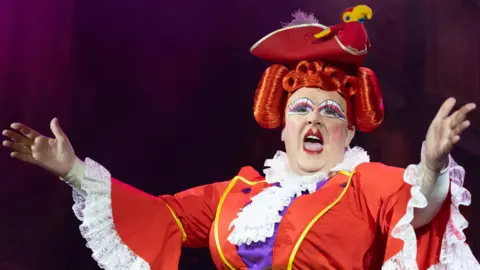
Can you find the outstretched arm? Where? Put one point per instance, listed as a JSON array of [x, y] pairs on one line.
[[151, 231], [443, 133], [392, 198]]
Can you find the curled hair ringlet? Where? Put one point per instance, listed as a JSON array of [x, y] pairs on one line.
[[368, 102], [349, 86], [308, 68], [270, 97], [292, 81]]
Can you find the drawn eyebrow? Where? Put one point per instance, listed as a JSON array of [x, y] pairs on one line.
[[331, 101], [302, 99]]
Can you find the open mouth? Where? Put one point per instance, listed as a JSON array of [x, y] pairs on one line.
[[313, 142]]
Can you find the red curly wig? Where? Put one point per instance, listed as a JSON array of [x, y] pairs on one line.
[[359, 87]]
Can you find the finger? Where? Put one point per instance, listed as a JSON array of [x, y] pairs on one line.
[[57, 130], [17, 147], [460, 128], [23, 157], [466, 109], [445, 109], [459, 116], [454, 139], [17, 137], [454, 120], [25, 130]]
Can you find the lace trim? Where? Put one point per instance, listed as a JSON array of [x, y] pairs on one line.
[[256, 221], [455, 253], [93, 207]]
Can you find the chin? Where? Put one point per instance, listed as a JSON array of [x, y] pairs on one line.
[[310, 166]]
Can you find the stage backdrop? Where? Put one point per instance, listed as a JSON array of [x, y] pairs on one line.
[[160, 92]]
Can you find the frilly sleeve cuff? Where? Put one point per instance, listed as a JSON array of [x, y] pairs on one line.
[[455, 253], [94, 208]]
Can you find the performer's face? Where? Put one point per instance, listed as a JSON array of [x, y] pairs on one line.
[[316, 130]]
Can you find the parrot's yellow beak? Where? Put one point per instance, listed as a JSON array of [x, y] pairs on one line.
[[362, 12]]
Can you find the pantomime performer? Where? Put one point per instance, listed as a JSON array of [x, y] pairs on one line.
[[320, 205]]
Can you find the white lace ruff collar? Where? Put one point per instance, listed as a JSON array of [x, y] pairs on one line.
[[256, 221]]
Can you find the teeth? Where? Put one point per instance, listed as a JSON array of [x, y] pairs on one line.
[[313, 137]]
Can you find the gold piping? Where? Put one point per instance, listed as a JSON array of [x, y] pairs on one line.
[[179, 223], [217, 215], [316, 218]]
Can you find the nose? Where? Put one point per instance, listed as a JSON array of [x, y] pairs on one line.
[[313, 118]]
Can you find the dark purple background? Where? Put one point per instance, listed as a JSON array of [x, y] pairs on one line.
[[160, 92]]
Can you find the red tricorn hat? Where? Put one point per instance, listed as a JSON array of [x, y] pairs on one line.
[[306, 39]]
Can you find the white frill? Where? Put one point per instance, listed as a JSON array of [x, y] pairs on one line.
[[455, 253], [256, 221], [93, 207]]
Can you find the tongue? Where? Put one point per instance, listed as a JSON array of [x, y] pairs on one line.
[[312, 146]]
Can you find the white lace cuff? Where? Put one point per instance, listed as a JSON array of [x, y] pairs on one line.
[[455, 253], [93, 207]]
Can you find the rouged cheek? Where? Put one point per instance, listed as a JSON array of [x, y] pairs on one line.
[[294, 126], [337, 133]]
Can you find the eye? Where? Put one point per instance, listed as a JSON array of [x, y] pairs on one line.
[[301, 106], [330, 108], [302, 109], [347, 18]]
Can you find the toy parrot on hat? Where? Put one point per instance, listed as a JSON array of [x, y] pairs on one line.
[[351, 35]]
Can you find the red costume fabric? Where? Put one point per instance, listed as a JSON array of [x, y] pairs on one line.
[[349, 224]]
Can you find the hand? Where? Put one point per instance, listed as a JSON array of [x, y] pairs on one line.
[[53, 154], [444, 132]]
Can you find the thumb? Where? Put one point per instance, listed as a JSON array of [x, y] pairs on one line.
[[57, 130]]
